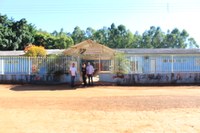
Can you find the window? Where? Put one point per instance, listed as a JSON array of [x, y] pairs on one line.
[[105, 65], [197, 61], [134, 66]]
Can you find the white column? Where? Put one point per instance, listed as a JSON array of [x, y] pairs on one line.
[[172, 58], [135, 64], [2, 66], [99, 63]]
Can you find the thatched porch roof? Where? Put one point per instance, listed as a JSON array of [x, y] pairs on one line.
[[90, 50]]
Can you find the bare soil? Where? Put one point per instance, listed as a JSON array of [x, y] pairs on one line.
[[99, 109]]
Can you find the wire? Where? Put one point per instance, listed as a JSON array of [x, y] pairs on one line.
[[101, 8]]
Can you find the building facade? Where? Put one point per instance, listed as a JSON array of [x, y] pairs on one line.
[[143, 66], [160, 66]]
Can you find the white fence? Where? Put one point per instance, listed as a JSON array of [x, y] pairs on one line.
[[27, 69]]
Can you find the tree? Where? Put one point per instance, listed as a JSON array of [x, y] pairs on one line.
[[125, 37], [137, 40], [35, 51], [44, 39], [146, 40], [157, 37], [62, 41], [112, 36], [14, 35], [78, 35], [90, 33], [56, 40], [23, 34], [121, 64], [177, 39], [101, 36], [192, 43]]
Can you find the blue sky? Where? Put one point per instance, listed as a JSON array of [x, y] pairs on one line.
[[136, 15]]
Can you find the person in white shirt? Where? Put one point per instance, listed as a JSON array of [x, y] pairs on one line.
[[90, 71], [73, 73]]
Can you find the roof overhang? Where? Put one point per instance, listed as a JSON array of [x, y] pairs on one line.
[[90, 50]]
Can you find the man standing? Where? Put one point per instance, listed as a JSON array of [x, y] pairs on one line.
[[90, 71], [73, 73], [83, 70]]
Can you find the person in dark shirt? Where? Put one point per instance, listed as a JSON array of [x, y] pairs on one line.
[[84, 74]]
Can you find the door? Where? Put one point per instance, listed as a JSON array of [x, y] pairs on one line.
[[153, 66]]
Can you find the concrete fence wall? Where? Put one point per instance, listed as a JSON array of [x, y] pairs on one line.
[[153, 79]]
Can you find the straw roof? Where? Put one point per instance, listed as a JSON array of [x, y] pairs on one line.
[[89, 49]]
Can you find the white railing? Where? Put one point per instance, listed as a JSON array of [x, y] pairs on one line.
[[31, 65]]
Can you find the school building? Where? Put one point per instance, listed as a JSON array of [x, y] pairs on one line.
[[143, 66]]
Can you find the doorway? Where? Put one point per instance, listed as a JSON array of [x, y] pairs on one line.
[[153, 66], [95, 64]]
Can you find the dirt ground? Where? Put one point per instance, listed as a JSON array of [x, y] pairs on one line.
[[99, 109]]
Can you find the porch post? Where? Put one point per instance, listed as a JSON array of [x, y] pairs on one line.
[[78, 64], [172, 58], [2, 66], [135, 65], [99, 63]]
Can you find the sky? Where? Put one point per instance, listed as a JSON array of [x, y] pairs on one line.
[[136, 15]]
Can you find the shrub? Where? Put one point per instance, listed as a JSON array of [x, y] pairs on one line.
[[35, 51]]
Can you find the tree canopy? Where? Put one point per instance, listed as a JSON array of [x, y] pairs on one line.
[[16, 35]]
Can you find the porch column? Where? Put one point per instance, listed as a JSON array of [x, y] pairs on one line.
[[2, 66], [135, 65], [99, 63], [78, 65], [172, 58]]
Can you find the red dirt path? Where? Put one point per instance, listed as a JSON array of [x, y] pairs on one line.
[[113, 109]]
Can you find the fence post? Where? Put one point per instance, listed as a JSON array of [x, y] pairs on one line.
[[2, 66], [29, 64], [135, 64]]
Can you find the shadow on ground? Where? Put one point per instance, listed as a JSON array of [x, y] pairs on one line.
[[40, 87], [33, 87]]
